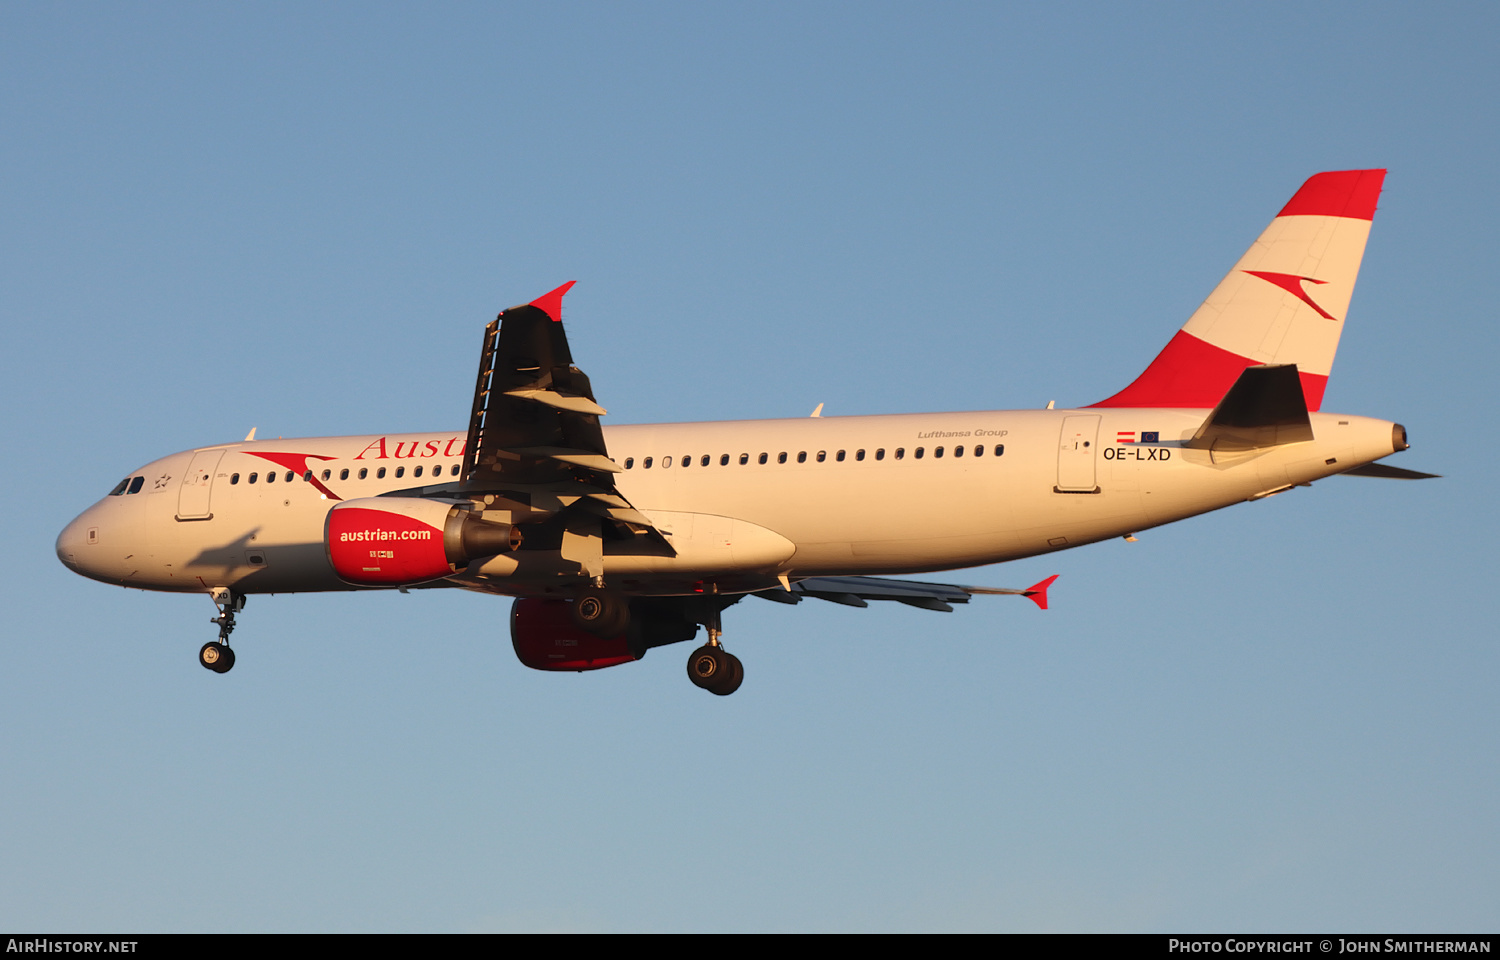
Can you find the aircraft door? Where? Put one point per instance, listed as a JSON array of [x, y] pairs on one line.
[[1077, 448], [197, 485]]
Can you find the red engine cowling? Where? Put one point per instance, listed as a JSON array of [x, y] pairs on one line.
[[389, 541], [545, 638]]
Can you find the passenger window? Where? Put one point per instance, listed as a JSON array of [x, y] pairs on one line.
[[880, 454], [822, 455], [764, 457], [646, 464], [289, 476], [859, 454], [415, 473], [781, 457], [380, 474], [400, 472], [666, 462], [958, 451], [937, 452], [687, 461], [978, 450], [364, 472], [252, 478], [999, 449], [802, 456], [344, 474], [307, 476], [455, 469], [724, 460], [270, 476], [704, 461], [918, 453], [120, 487], [234, 478], [900, 453], [744, 459], [629, 462], [839, 456], [327, 474]]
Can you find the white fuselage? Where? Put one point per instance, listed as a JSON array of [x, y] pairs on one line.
[[832, 497]]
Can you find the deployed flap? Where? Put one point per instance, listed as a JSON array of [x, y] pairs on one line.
[[518, 431], [1264, 408], [854, 591], [534, 432]]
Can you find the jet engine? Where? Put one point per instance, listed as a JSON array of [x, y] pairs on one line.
[[546, 638], [390, 541]]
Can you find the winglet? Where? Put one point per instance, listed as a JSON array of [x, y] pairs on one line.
[[551, 303], [1037, 592]]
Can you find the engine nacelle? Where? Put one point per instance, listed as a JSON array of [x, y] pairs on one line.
[[391, 541], [545, 638]]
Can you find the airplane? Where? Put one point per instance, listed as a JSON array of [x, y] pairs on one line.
[[612, 541]]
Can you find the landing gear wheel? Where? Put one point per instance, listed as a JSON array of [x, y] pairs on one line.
[[216, 657], [715, 670], [731, 680], [707, 666], [600, 612]]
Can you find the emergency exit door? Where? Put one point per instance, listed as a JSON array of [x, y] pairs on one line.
[[1077, 447]]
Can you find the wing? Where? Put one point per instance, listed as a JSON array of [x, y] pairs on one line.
[[535, 439], [855, 591]]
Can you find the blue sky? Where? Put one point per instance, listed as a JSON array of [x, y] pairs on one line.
[[1278, 717]]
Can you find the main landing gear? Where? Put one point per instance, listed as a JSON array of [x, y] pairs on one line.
[[601, 612], [711, 666], [216, 654]]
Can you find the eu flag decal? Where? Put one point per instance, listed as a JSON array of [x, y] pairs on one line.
[[1150, 436]]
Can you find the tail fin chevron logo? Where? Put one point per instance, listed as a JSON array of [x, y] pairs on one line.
[[1292, 284]]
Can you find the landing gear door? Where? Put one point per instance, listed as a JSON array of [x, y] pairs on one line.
[[197, 484], [1076, 450]]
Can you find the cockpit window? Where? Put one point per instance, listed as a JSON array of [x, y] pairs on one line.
[[136, 484], [120, 487]]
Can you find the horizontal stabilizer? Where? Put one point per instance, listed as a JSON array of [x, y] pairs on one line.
[[1389, 473], [1265, 408]]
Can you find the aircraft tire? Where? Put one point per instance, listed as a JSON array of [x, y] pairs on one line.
[[215, 656], [731, 679], [601, 613], [708, 667]]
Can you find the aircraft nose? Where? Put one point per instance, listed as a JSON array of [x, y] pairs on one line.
[[74, 538]]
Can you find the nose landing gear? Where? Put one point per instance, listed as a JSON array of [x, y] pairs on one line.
[[216, 655]]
